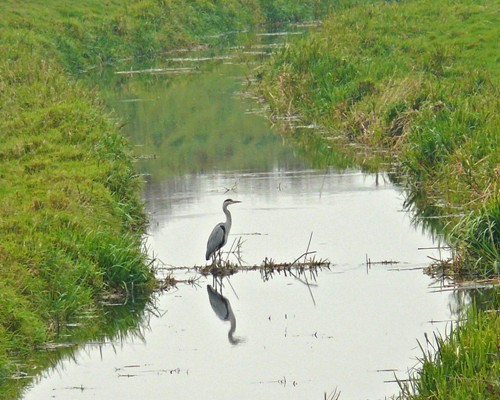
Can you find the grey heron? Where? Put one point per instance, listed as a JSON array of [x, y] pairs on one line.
[[218, 237]]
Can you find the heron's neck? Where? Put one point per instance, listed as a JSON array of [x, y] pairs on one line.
[[228, 216]]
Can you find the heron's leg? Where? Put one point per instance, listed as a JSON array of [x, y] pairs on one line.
[[214, 270], [218, 284]]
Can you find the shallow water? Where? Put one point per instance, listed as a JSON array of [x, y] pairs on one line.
[[350, 327]]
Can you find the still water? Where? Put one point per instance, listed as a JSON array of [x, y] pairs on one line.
[[349, 328]]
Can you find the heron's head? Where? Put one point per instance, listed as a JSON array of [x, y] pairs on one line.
[[228, 202]]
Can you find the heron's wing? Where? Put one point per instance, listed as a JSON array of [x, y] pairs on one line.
[[215, 240]]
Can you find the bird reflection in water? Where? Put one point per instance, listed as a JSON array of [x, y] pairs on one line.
[[223, 310]]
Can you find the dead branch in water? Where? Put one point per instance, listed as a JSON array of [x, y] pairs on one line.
[[267, 266]]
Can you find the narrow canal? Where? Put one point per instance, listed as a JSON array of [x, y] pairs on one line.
[[351, 328]]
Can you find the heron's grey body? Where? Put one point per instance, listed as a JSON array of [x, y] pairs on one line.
[[218, 237]]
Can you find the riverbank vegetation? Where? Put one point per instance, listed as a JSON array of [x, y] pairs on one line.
[[70, 215], [91, 34], [417, 81], [463, 365]]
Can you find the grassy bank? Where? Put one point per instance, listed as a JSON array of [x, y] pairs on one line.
[[70, 217], [92, 34], [418, 82]]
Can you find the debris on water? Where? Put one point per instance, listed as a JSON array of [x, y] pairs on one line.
[[310, 126], [21, 375], [198, 59], [167, 283], [369, 262], [335, 395], [221, 269], [255, 53], [145, 157], [80, 388], [299, 266], [137, 100], [141, 370], [268, 266]]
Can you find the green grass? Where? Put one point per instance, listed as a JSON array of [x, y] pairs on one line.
[[464, 365], [92, 34]]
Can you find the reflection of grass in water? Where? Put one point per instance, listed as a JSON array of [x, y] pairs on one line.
[[195, 124]]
